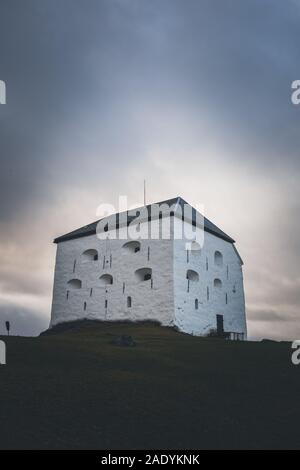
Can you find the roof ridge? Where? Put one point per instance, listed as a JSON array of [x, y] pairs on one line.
[[90, 229]]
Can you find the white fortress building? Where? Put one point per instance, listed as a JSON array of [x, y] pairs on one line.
[[193, 282]]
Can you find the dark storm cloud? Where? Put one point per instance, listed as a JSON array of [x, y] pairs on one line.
[[265, 323], [267, 316], [75, 70], [23, 322], [103, 92], [12, 280]]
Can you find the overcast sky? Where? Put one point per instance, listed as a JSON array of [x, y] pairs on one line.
[[194, 95]]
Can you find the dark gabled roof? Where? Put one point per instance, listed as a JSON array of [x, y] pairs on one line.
[[91, 228]]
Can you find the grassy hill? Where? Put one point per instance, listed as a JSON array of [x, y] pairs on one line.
[[74, 389]]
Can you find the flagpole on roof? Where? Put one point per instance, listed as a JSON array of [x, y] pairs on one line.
[[144, 192]]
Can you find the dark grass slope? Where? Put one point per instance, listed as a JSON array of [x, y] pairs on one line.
[[74, 389]]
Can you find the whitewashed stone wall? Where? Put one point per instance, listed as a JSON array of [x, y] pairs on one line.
[[211, 300], [166, 298], [150, 300]]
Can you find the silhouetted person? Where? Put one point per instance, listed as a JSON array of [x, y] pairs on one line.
[[7, 324]]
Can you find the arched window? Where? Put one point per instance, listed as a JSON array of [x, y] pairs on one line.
[[195, 248], [129, 302], [132, 247], [84, 306], [75, 284], [218, 283], [90, 255], [106, 279], [196, 304], [143, 274], [192, 275], [218, 258]]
